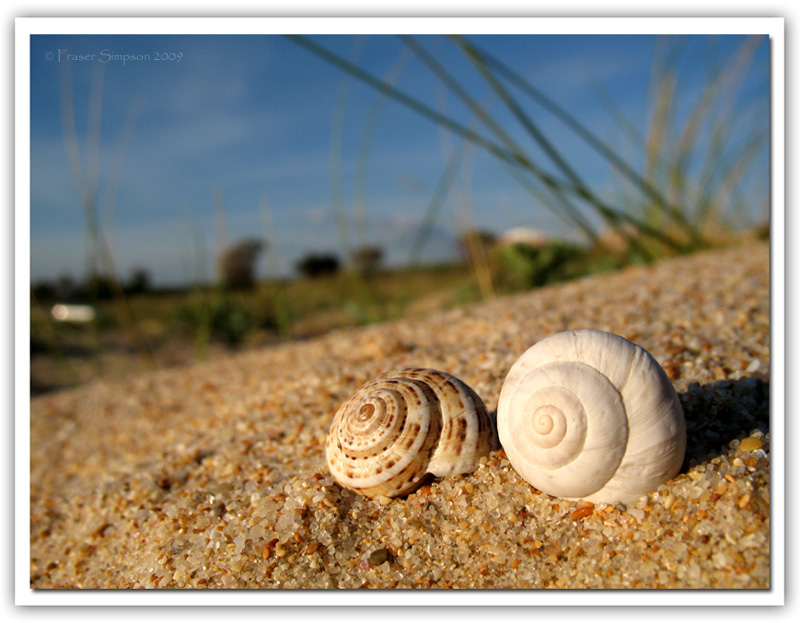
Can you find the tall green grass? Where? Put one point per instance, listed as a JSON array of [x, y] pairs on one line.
[[684, 185], [700, 161]]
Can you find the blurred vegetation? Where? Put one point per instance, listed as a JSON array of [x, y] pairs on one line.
[[185, 325], [238, 264], [182, 326], [368, 260], [225, 318], [318, 265], [685, 191], [525, 266], [688, 186]]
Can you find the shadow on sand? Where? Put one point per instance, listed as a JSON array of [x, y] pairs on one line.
[[721, 412]]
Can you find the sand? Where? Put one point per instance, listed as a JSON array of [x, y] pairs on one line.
[[214, 475]]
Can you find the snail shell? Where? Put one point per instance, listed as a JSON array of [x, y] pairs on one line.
[[401, 426], [588, 414]]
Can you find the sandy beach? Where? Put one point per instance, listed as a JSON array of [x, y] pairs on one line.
[[214, 475]]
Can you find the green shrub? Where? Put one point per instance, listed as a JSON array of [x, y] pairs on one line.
[[523, 266], [222, 317]]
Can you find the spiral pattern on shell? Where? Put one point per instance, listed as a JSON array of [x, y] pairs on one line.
[[589, 414], [403, 426]]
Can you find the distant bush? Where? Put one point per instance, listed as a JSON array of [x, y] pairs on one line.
[[523, 266], [237, 265], [318, 265], [96, 287], [139, 282], [368, 260], [224, 318], [44, 291]]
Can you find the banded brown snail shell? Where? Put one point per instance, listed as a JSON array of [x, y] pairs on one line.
[[402, 426], [591, 415]]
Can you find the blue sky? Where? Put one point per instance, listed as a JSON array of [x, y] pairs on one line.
[[254, 119]]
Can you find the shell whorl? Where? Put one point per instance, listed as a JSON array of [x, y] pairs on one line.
[[401, 426], [589, 414]]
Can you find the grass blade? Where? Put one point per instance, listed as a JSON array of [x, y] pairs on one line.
[[99, 254], [613, 217], [282, 317], [404, 99], [522, 163], [584, 133], [434, 205], [368, 133], [337, 139]]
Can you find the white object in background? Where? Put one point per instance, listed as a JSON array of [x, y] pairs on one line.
[[63, 312]]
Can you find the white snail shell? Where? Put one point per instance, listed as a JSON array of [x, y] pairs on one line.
[[401, 426], [591, 415]]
